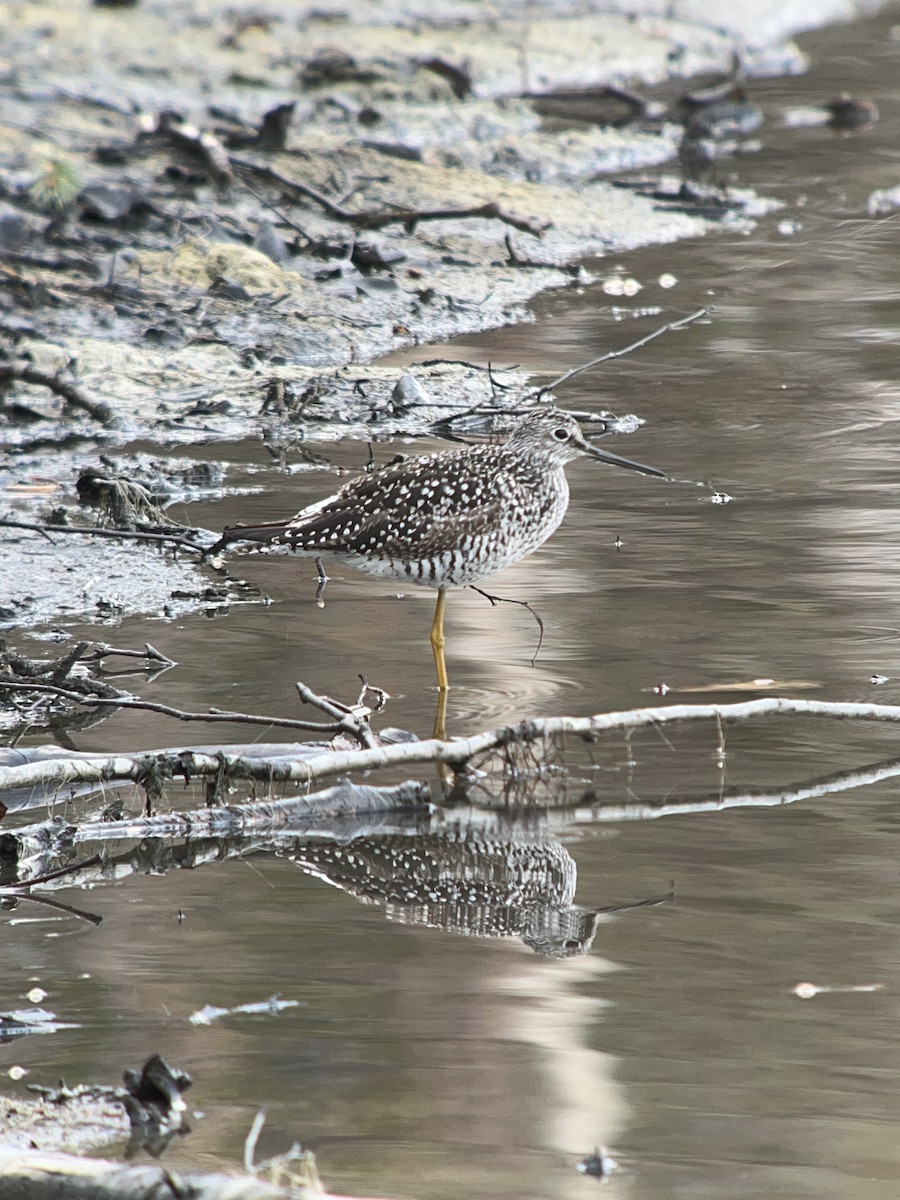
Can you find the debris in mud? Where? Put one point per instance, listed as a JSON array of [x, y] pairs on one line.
[[152, 1098], [122, 504], [90, 1114]]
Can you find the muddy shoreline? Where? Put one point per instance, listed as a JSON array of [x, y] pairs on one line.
[[214, 227]]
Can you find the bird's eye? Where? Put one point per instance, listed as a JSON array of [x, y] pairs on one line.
[[561, 435]]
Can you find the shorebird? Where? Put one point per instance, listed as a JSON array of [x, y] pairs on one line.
[[444, 520]]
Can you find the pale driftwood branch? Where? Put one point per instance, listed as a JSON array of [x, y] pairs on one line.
[[34, 1175], [455, 753], [100, 650]]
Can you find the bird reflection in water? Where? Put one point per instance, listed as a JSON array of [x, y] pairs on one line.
[[469, 884]]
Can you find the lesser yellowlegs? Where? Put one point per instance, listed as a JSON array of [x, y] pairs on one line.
[[444, 520]]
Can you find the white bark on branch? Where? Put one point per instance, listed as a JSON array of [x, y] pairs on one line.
[[34, 1175], [456, 753]]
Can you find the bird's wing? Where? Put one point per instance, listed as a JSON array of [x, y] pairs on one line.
[[416, 515]]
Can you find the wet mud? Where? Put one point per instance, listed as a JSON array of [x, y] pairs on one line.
[[209, 232]]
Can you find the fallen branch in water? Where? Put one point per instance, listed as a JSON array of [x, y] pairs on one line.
[[54, 676], [34, 1175], [351, 720], [378, 218], [61, 383], [457, 753], [102, 650]]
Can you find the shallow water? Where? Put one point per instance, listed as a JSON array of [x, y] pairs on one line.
[[423, 1063]]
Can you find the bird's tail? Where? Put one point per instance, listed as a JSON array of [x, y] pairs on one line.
[[274, 537]]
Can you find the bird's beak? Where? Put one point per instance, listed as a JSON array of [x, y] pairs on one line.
[[616, 461]]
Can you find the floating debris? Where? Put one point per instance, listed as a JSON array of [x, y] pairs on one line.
[[806, 991], [22, 1021], [848, 114], [617, 285], [599, 1165], [739, 685], [273, 1006]]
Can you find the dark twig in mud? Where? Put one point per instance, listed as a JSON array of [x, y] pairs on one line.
[[172, 539], [515, 259], [60, 384], [495, 600], [378, 218], [610, 354], [213, 716]]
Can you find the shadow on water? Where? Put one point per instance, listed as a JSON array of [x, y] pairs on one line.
[[437, 1063]]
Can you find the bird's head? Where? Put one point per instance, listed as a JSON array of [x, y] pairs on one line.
[[556, 435]]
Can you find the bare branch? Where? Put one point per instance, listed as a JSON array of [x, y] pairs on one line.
[[61, 385], [173, 539], [495, 600], [610, 354], [456, 753], [378, 218], [213, 716]]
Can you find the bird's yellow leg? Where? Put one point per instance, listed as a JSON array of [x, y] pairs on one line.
[[440, 732], [437, 641]]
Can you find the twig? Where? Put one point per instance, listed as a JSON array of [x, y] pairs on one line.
[[595, 362], [495, 600], [69, 390], [456, 753], [252, 1138], [101, 651], [515, 259], [213, 716], [58, 906], [350, 720], [27, 674], [58, 874], [94, 531], [378, 218]]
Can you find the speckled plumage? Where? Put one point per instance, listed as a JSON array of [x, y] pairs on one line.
[[449, 519]]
